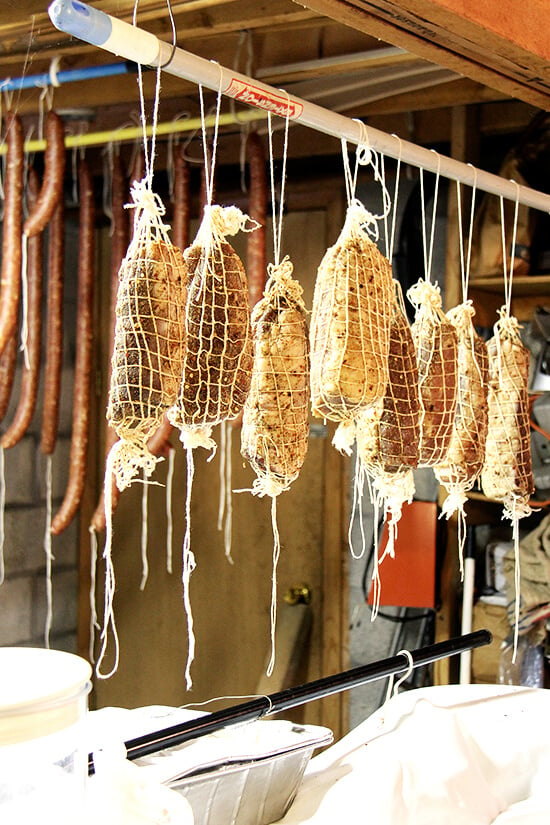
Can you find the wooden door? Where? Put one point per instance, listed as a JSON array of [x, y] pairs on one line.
[[231, 601]]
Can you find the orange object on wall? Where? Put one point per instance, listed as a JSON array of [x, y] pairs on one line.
[[408, 579]]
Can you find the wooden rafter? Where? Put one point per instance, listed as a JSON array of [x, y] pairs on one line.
[[504, 44]]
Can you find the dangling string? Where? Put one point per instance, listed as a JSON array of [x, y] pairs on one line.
[[144, 532], [465, 260], [515, 513], [357, 507], [428, 251], [386, 235], [209, 168], [48, 553], [278, 218], [395, 196], [94, 624], [188, 567], [149, 155], [169, 519], [509, 278], [470, 234], [228, 467], [221, 502], [225, 504], [277, 238], [276, 555], [108, 607], [365, 156], [504, 255]]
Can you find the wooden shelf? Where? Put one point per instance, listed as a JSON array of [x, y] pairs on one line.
[[521, 286]]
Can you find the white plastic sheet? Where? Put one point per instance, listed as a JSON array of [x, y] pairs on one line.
[[463, 755]]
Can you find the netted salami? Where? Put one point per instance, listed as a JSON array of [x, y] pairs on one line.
[[507, 471], [275, 428], [388, 432], [462, 465], [436, 348], [149, 342], [350, 323], [217, 367]]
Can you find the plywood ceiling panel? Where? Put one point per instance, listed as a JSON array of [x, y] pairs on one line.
[[504, 44]]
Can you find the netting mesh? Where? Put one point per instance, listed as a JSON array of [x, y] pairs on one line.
[[507, 472], [218, 359], [464, 459], [350, 323], [387, 433], [436, 348], [399, 420], [149, 338], [275, 427]]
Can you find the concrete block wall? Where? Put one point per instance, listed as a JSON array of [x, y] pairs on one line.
[[23, 600]]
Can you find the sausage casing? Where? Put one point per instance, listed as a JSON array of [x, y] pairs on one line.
[[10, 286], [84, 353]]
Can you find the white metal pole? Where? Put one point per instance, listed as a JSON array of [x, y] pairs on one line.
[[132, 43]]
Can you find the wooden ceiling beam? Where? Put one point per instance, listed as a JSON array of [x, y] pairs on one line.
[[504, 44], [33, 33]]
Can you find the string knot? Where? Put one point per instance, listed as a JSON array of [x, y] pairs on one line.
[[360, 220], [281, 284], [425, 294], [145, 199]]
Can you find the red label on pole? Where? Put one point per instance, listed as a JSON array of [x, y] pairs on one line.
[[281, 105]]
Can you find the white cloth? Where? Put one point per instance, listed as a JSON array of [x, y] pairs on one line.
[[468, 755], [120, 794]]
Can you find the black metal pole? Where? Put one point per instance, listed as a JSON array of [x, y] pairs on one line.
[[292, 697]]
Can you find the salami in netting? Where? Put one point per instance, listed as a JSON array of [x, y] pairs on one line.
[[149, 337], [275, 428], [217, 366], [350, 323], [436, 348]]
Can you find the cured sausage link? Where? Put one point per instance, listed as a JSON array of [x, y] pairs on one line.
[[182, 202], [54, 330], [51, 191], [83, 362], [8, 360], [10, 279], [29, 382], [119, 245]]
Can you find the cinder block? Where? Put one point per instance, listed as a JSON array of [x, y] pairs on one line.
[[15, 610], [20, 472], [24, 531], [65, 600]]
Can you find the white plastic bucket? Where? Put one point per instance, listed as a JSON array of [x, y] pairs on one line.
[[43, 764]]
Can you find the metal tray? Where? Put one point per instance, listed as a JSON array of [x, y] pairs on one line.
[[254, 791]]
